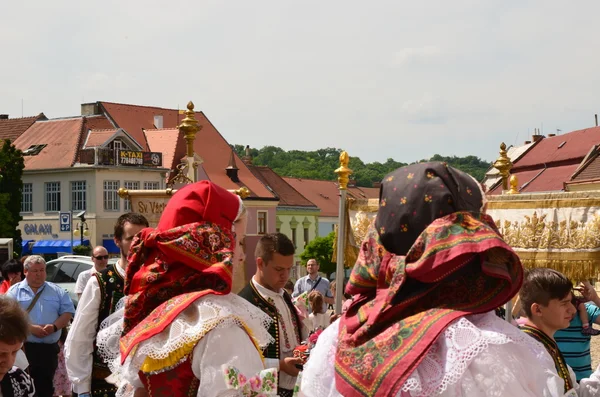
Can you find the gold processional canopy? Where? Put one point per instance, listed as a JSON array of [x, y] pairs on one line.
[[558, 230]]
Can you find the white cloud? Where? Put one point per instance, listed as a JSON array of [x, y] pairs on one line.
[[386, 79], [412, 55]]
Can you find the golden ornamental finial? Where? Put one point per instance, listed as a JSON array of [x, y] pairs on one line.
[[123, 193], [190, 126], [343, 172], [514, 185], [243, 192], [503, 165]]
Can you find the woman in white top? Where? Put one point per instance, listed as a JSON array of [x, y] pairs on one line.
[[184, 333], [431, 271]]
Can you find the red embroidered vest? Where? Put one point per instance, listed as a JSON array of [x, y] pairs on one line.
[[177, 381]]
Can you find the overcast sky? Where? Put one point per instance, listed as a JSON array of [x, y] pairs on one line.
[[380, 79]]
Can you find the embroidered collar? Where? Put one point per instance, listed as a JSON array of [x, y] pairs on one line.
[[265, 292], [552, 348]]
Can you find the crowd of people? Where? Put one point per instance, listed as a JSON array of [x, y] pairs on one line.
[[418, 318]]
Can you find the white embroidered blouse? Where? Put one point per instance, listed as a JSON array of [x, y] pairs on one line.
[[478, 355]]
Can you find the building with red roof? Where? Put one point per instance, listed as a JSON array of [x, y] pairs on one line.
[[13, 128], [325, 195], [552, 161], [73, 165]]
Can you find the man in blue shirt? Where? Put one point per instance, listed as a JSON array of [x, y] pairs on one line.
[[314, 282], [50, 309], [575, 346]]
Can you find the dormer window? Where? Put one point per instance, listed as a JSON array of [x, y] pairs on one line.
[[34, 150]]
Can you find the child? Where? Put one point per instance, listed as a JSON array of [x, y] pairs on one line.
[[62, 385], [579, 303], [317, 318]]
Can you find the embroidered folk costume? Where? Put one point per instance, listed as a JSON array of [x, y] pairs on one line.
[[286, 328], [85, 366], [431, 271], [180, 323]]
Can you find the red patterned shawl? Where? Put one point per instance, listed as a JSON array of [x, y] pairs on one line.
[[459, 265]]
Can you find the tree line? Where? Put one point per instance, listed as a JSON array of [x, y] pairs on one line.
[[319, 164]]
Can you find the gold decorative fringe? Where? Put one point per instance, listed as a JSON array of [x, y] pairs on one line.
[[575, 270]]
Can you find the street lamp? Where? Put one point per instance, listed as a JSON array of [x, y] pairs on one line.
[[82, 227]]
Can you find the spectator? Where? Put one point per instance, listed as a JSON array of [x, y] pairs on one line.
[[314, 282], [41, 348], [100, 259], [575, 345], [12, 273], [14, 329]]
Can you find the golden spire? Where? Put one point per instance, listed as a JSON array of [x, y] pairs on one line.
[[514, 185], [503, 165], [189, 126], [343, 172]]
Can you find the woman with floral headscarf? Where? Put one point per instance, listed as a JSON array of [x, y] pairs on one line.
[[182, 332], [431, 271]]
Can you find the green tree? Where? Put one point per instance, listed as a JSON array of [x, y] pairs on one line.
[[320, 164], [321, 249], [11, 186]]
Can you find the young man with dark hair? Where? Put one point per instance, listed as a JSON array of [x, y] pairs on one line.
[[274, 259], [546, 298], [85, 367]]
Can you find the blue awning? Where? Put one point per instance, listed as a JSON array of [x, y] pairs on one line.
[[25, 247], [110, 246], [55, 246]]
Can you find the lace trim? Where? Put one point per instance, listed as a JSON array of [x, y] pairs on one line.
[[162, 350], [449, 358]]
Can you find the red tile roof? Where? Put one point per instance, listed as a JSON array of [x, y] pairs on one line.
[[325, 194], [169, 142], [541, 180], [288, 196], [134, 119], [552, 149], [97, 137], [209, 143], [13, 128], [62, 137], [590, 170]]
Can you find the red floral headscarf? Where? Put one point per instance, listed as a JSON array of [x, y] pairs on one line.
[[430, 257], [190, 250]]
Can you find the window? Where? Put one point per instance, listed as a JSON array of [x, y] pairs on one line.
[[262, 222], [151, 185], [78, 195], [111, 195], [27, 201], [130, 185], [33, 150], [305, 237], [294, 236], [52, 196], [66, 273]]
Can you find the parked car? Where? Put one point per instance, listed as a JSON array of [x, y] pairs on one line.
[[65, 270]]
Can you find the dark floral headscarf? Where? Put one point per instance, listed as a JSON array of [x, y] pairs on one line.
[[430, 257]]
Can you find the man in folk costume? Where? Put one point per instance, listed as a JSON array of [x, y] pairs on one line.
[[431, 271], [183, 332], [86, 369], [546, 298], [274, 260]]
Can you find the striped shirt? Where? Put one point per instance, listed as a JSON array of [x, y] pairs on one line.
[[575, 346]]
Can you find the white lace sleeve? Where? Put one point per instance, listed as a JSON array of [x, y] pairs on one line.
[[201, 319], [478, 355], [230, 346]]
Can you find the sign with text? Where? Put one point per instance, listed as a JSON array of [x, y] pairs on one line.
[[133, 158], [37, 229], [151, 207]]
